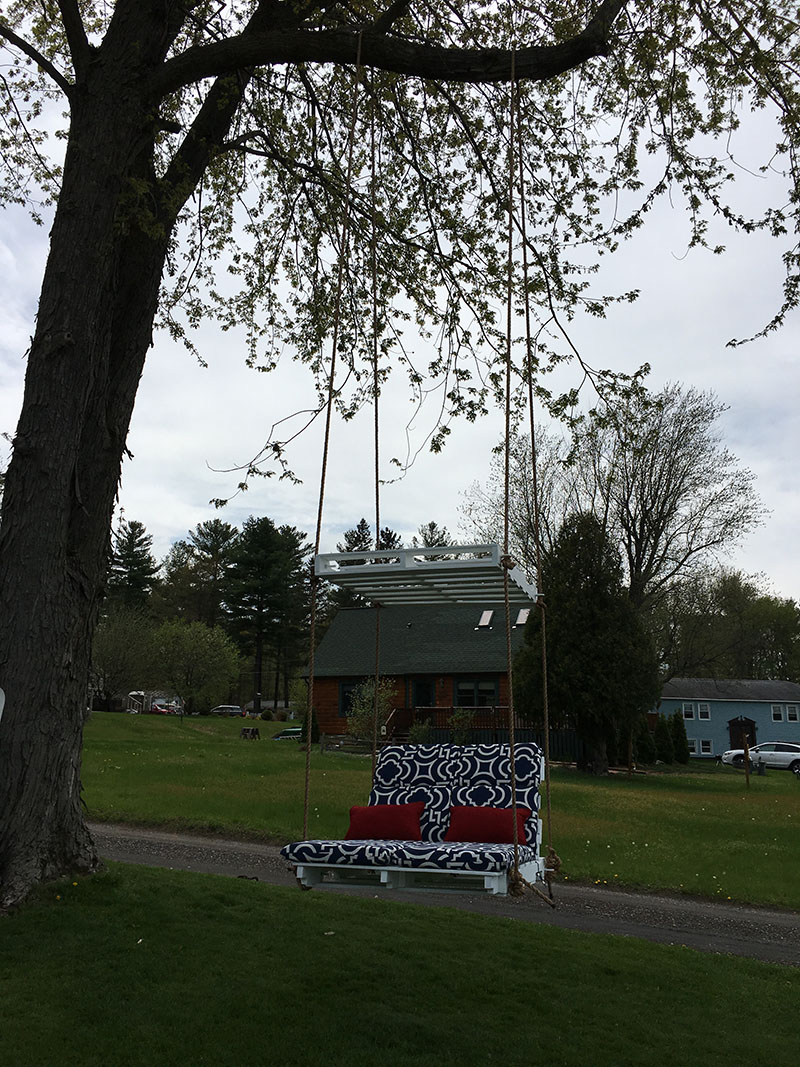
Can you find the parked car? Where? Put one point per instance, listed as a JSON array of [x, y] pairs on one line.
[[292, 733], [770, 753], [227, 709]]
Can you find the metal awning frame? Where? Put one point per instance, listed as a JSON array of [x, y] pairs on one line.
[[460, 574]]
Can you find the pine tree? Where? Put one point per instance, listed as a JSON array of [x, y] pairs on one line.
[[680, 742], [644, 747], [133, 568], [389, 538], [212, 544], [358, 539], [431, 535], [602, 667], [267, 599], [663, 738]]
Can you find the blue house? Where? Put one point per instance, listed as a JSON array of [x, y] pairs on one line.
[[718, 712]]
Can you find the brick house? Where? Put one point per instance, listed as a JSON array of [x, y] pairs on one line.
[[439, 656]]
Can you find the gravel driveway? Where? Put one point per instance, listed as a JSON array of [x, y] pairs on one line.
[[709, 926]]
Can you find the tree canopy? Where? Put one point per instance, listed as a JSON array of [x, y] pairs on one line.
[[188, 123], [724, 624], [251, 110]]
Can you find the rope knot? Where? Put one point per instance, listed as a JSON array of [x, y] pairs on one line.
[[516, 884]]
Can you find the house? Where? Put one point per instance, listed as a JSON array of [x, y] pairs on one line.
[[440, 657], [717, 712]]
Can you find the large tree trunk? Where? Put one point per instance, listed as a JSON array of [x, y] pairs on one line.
[[93, 330], [595, 760]]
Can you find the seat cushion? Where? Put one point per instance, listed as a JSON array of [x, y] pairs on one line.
[[419, 855]]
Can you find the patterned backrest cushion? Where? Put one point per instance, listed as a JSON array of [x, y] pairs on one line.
[[458, 775]]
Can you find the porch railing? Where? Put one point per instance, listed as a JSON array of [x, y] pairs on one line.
[[479, 718]]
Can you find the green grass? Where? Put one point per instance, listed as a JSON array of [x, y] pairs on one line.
[[696, 831], [138, 966], [700, 832], [198, 774]]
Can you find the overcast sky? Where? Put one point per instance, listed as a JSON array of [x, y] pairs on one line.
[[192, 424]]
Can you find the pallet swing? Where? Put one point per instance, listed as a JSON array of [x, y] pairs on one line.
[[458, 817]]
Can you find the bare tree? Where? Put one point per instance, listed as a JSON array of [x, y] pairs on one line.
[[673, 493], [653, 470]]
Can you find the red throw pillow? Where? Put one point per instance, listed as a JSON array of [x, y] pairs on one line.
[[487, 825], [385, 822]]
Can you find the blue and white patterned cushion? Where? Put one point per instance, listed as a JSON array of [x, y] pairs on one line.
[[443, 776], [420, 855], [446, 776]]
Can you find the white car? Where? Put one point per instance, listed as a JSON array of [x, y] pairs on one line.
[[772, 754]]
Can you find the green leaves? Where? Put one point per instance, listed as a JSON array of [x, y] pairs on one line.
[[418, 226]]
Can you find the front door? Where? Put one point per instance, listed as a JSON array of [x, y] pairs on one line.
[[740, 728]]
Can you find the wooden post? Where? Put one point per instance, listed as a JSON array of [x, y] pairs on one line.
[[746, 759]]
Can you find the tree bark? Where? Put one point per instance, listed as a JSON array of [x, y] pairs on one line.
[[94, 326], [596, 759]]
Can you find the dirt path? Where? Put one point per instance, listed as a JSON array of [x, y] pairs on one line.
[[760, 933]]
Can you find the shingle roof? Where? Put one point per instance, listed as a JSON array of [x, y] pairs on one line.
[[420, 639], [767, 690]]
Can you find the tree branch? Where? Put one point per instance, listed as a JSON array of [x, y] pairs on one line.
[[534, 63], [37, 57], [79, 46], [383, 23]]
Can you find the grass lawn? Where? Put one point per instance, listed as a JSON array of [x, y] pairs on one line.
[[139, 966], [198, 774], [697, 830]]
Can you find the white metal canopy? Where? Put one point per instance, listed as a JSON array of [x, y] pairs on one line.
[[467, 574]]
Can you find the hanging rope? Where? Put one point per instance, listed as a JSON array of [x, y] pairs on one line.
[[345, 237], [376, 428], [552, 861], [516, 882]]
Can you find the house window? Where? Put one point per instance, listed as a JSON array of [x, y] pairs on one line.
[[703, 711], [423, 693], [692, 746], [705, 747], [346, 691], [475, 693], [688, 711], [791, 713], [777, 712]]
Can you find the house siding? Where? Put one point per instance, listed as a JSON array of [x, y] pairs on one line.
[[327, 695], [711, 736]]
